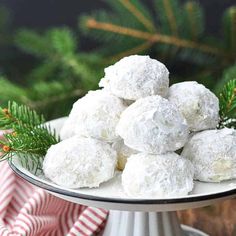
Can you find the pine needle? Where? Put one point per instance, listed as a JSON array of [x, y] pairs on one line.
[[28, 137], [228, 105], [194, 20], [138, 14], [170, 16]]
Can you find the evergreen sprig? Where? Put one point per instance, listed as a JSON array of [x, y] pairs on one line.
[[57, 50], [62, 74], [19, 116], [228, 105], [27, 136], [174, 31]]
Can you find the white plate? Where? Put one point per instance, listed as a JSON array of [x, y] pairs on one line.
[[110, 195]]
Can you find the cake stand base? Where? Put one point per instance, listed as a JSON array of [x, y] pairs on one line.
[[126, 223]]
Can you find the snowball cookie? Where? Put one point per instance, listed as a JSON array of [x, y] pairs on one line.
[[123, 152], [157, 176], [80, 162], [135, 77], [199, 105], [95, 115], [153, 125], [213, 154]]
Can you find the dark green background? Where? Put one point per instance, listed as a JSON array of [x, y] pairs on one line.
[[40, 14]]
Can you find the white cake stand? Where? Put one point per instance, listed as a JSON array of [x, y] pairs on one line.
[[134, 216]]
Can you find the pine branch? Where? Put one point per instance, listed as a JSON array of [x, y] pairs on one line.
[[29, 137], [228, 104], [57, 49], [18, 115], [28, 140], [75, 72], [33, 43], [91, 23], [179, 35], [55, 41], [30, 144], [120, 17]]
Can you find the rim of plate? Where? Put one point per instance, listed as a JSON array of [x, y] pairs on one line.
[[68, 193]]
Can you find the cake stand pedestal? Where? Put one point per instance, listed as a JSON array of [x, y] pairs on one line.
[[151, 217], [126, 223]]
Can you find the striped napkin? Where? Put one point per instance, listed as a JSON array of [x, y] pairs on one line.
[[26, 210]]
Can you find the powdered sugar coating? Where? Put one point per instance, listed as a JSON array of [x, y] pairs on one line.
[[153, 125], [199, 105], [123, 153], [135, 76], [157, 176], [80, 162], [213, 154], [95, 115]]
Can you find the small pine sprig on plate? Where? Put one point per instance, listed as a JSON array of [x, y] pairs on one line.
[[27, 136], [19, 115], [228, 105]]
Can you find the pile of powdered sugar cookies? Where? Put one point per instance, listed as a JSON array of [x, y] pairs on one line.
[[136, 123]]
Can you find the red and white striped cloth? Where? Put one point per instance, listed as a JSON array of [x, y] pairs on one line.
[[26, 210]]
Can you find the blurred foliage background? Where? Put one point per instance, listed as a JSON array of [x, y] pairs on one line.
[[49, 68]]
